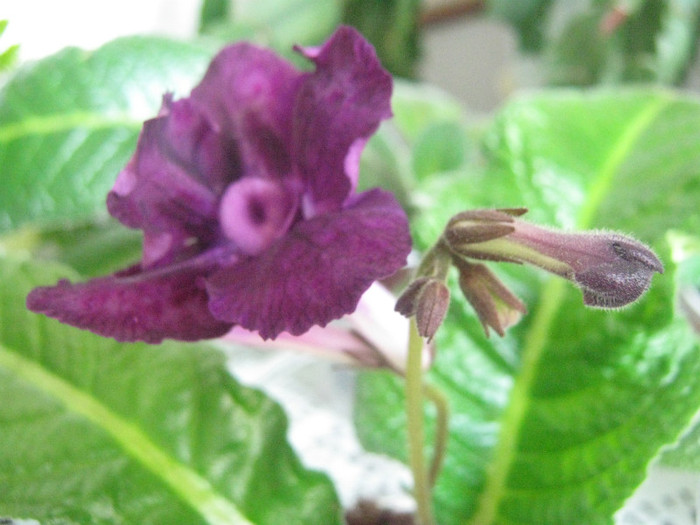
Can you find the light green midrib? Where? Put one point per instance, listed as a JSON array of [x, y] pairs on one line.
[[194, 490], [552, 294], [37, 125]]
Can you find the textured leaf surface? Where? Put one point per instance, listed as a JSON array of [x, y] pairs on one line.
[[556, 422], [99, 432], [69, 123]]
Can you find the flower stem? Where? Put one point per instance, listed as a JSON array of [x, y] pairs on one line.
[[416, 435], [442, 414]]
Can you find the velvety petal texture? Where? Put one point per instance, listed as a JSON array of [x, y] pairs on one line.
[[133, 306], [315, 273], [245, 193]]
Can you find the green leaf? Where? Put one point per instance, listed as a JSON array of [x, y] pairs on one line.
[[426, 134], [279, 24], [528, 18], [643, 41], [676, 43], [93, 248], [392, 27], [8, 57], [69, 123], [99, 432], [442, 147], [556, 422]]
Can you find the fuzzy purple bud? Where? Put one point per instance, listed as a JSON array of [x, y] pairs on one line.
[[611, 269]]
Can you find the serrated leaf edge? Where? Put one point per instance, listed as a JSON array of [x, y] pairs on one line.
[[553, 292]]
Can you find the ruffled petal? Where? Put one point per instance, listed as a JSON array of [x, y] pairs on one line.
[[133, 306], [317, 272], [171, 186], [249, 93], [338, 107]]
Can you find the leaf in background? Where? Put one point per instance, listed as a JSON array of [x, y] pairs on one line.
[[646, 41], [278, 24], [94, 248], [556, 422], [442, 147], [392, 27], [565, 64], [528, 19], [99, 432], [417, 142], [8, 57], [677, 41], [685, 454], [69, 123]]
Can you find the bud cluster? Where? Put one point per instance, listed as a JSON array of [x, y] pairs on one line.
[[611, 269]]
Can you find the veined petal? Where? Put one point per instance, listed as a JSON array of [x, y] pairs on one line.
[[315, 273], [338, 106], [134, 306], [249, 93], [156, 192]]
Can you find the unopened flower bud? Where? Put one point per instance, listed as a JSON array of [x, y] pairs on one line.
[[495, 305], [475, 226], [427, 299], [611, 269]]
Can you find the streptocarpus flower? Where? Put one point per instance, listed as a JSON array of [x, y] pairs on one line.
[[245, 192]]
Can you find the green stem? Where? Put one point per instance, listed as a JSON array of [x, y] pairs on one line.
[[416, 434], [442, 415]]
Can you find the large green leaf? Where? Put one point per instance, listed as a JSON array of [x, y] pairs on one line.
[[556, 422], [69, 123], [99, 432]]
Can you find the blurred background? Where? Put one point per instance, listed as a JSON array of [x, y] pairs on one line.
[[480, 52]]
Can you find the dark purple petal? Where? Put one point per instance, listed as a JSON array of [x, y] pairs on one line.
[[338, 107], [170, 188], [317, 272], [133, 306], [249, 93]]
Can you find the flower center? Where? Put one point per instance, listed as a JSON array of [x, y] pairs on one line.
[[254, 212]]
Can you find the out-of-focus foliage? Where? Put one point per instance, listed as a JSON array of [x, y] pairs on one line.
[[9, 55], [606, 41], [390, 25]]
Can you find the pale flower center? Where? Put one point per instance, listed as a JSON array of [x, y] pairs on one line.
[[255, 212]]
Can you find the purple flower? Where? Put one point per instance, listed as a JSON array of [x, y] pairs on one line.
[[245, 192]]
